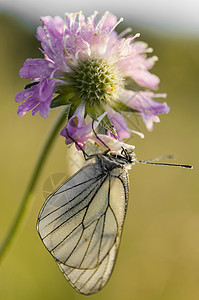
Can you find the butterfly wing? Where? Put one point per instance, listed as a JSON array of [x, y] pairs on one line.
[[81, 222]]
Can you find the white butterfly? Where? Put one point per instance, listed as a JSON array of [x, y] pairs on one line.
[[81, 222]]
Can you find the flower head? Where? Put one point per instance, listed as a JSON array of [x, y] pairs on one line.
[[87, 61]]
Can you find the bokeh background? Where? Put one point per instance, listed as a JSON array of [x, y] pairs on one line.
[[159, 253]]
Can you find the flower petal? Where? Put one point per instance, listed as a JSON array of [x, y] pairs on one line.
[[25, 94], [43, 108], [148, 108], [36, 68], [76, 128], [145, 79], [120, 125], [26, 106]]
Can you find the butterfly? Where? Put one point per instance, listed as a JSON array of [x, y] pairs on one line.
[[81, 222]]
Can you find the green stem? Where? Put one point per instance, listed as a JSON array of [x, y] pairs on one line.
[[32, 183]]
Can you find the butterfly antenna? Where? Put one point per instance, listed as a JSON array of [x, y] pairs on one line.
[[86, 156], [150, 162], [102, 142]]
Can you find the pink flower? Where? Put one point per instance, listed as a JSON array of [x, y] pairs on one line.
[[88, 62]]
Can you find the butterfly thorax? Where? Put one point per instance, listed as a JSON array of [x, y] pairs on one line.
[[110, 161]]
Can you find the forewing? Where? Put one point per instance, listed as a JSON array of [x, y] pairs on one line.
[[60, 219], [81, 222]]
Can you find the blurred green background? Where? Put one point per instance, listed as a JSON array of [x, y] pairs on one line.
[[159, 253]]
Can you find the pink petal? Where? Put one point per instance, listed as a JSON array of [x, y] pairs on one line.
[[25, 94], [118, 121], [36, 68], [26, 106], [146, 79]]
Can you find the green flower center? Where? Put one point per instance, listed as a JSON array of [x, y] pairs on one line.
[[96, 82]]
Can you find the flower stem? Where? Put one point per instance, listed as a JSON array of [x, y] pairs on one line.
[[32, 183]]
